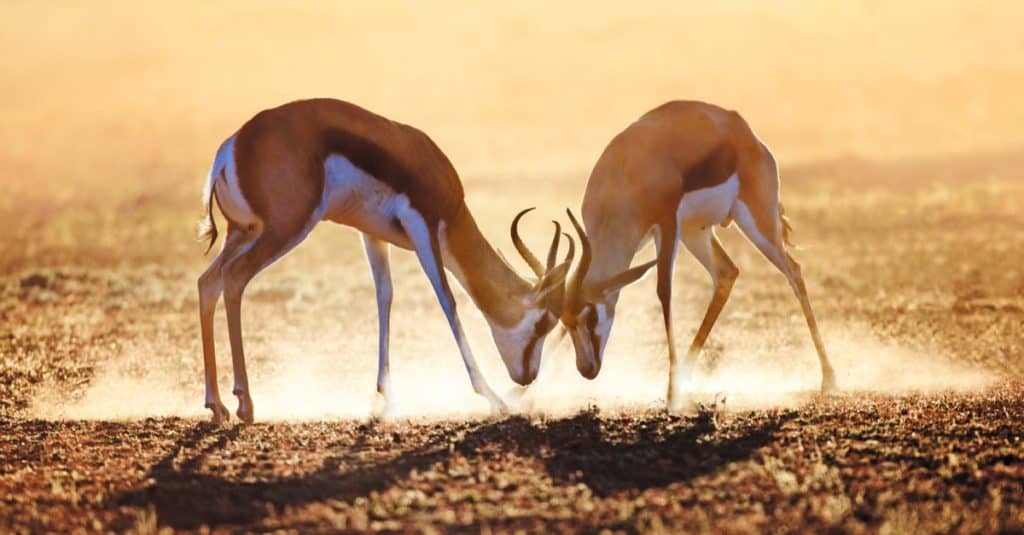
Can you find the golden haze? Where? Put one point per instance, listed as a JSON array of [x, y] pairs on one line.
[[896, 125]]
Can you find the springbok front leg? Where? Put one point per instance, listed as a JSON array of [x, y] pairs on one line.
[[380, 267], [667, 246], [211, 286], [428, 249]]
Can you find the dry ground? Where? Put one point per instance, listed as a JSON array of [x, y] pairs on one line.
[[903, 170]]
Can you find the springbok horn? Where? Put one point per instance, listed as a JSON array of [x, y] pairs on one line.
[[574, 285], [555, 277], [554, 247], [563, 268], [572, 249], [535, 265]]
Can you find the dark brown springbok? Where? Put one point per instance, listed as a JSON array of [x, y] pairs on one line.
[[290, 167]]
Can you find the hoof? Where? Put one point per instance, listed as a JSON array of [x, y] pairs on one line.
[[679, 397], [498, 407], [829, 386], [220, 413], [244, 411], [383, 409], [680, 404], [518, 399]]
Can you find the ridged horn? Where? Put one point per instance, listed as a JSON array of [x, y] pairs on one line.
[[531, 260], [553, 250], [574, 285]]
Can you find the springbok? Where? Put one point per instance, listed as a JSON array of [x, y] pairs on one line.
[[290, 167], [672, 175]]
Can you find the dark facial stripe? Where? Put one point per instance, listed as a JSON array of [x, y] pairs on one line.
[[539, 330], [595, 340]]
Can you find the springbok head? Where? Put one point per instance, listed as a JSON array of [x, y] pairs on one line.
[[520, 344], [589, 306]]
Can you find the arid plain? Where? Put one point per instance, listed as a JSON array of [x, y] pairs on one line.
[[897, 129]]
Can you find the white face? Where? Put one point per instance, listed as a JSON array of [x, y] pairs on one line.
[[589, 336], [604, 324], [520, 346]]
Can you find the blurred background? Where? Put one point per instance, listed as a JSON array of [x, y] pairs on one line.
[[896, 126]]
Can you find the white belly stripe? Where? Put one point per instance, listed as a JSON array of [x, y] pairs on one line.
[[353, 197]]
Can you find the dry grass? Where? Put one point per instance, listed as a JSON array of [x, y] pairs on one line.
[[899, 139]]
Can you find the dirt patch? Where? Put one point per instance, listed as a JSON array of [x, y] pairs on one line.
[[905, 463]]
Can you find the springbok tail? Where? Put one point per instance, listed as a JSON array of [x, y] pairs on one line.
[[787, 228], [207, 225]]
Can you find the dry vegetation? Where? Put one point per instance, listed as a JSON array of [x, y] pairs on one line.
[[898, 132]]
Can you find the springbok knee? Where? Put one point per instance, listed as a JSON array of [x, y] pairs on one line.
[[727, 275], [210, 285]]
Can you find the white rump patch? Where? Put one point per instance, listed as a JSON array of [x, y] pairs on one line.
[[225, 182], [709, 206]]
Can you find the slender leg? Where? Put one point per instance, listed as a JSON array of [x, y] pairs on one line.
[[668, 240], [704, 245], [796, 280], [211, 285], [377, 256], [775, 252], [428, 250], [238, 272]]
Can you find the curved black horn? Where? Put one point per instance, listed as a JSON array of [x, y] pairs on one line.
[[574, 286], [561, 271], [551, 288], [572, 249], [534, 264], [553, 250]]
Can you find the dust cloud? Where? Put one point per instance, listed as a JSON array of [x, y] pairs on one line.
[[749, 374], [522, 98]]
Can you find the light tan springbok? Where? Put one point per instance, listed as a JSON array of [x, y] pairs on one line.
[[672, 175]]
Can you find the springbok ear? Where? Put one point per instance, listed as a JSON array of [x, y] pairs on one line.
[[625, 278]]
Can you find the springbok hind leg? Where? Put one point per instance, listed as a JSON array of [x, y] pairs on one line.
[[237, 273], [775, 252], [796, 280], [703, 244], [211, 285]]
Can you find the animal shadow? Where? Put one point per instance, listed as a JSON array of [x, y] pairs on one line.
[[607, 454]]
